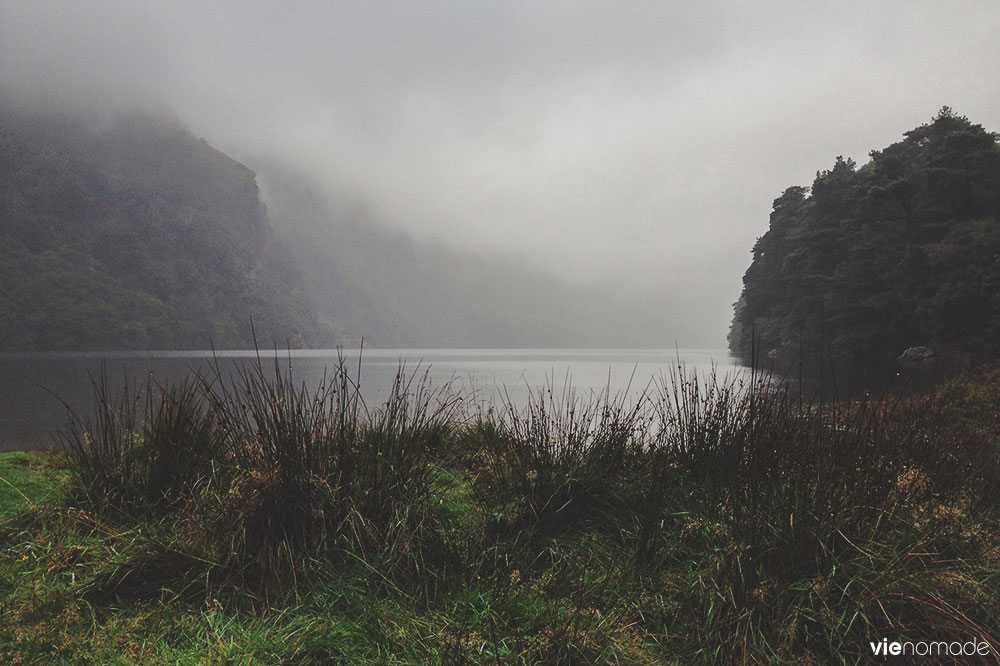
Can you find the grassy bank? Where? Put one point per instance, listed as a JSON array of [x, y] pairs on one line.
[[248, 519]]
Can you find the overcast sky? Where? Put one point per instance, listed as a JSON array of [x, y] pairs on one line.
[[644, 140]]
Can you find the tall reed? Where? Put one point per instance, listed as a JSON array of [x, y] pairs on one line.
[[142, 450]]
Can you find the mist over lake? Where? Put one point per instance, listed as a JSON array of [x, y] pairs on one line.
[[33, 387]]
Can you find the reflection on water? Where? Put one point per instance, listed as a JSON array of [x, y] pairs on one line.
[[33, 387]]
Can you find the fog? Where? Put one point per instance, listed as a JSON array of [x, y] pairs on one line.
[[637, 144]]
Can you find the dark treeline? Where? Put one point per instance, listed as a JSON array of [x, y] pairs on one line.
[[870, 261]]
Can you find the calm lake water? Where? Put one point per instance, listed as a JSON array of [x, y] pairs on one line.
[[33, 387]]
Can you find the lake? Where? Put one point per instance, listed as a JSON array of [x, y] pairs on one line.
[[35, 386]]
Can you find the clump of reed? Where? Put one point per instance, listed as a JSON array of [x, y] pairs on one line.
[[266, 473], [142, 449], [718, 520], [781, 506], [316, 471], [559, 459], [819, 523]]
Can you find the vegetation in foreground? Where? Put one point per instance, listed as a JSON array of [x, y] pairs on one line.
[[247, 519]]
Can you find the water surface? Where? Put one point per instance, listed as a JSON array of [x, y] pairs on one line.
[[34, 387]]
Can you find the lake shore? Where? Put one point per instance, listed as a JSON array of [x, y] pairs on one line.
[[36, 388], [725, 524]]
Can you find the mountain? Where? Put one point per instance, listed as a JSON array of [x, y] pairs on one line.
[[128, 232], [872, 260], [398, 291]]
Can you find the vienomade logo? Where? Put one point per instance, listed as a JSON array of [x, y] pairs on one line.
[[887, 648]]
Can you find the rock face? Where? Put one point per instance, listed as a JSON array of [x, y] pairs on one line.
[[931, 362], [919, 355]]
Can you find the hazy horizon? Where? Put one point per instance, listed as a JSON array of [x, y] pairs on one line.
[[639, 145]]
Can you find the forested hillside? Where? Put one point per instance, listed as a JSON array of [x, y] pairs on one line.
[[131, 233], [869, 261], [128, 232]]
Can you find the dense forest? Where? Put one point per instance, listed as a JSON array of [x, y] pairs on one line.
[[131, 233], [903, 251]]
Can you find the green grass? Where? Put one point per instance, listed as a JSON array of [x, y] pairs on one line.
[[28, 480], [714, 524]]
